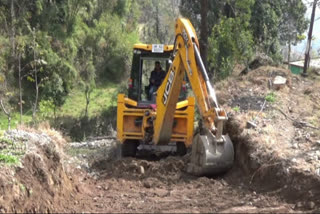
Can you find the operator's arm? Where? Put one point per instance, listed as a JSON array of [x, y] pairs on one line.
[[151, 80]]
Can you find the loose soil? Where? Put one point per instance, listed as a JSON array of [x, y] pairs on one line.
[[276, 167]]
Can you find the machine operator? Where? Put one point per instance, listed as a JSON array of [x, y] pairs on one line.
[[156, 78]]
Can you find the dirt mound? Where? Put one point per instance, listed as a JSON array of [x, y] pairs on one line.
[[39, 182], [280, 153]]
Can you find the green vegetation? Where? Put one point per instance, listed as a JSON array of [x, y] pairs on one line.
[[51, 49], [235, 31], [15, 117], [101, 99], [6, 141], [236, 109], [10, 151], [67, 60], [22, 187], [8, 159], [271, 97]]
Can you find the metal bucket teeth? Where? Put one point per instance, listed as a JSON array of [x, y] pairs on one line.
[[210, 157]]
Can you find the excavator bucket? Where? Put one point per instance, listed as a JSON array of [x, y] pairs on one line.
[[210, 157]]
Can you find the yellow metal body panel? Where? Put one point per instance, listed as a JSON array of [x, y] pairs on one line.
[[128, 113], [148, 47], [174, 121]]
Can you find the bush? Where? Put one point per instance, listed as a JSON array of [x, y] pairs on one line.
[[8, 159], [271, 97]]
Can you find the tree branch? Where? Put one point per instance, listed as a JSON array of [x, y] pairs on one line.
[[3, 108], [295, 122]]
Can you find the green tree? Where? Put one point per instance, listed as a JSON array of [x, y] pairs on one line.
[[204, 15], [293, 24], [231, 40], [87, 76]]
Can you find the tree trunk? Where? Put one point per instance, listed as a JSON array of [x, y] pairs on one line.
[[9, 121], [87, 92], [289, 53], [13, 30], [157, 21], [55, 115], [34, 110], [20, 88], [55, 112], [6, 112], [307, 54], [204, 32]]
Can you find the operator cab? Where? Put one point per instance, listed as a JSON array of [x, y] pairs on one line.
[[143, 63]]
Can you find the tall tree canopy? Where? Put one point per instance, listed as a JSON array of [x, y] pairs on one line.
[[47, 47], [62, 43], [239, 28]]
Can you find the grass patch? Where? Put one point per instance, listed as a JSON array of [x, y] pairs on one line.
[[80, 151], [15, 119], [271, 97], [8, 159], [6, 141], [101, 99], [236, 109], [22, 187]]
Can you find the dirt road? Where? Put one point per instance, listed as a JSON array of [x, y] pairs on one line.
[[135, 185]]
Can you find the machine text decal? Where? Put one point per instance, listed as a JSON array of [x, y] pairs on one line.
[[168, 88], [185, 36]]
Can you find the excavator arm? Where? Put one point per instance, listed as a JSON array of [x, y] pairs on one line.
[[212, 152]]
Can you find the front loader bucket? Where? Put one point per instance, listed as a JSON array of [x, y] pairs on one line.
[[209, 157]]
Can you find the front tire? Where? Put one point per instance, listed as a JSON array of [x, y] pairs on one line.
[[181, 149], [129, 148]]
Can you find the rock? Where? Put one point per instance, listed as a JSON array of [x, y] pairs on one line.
[[142, 170], [308, 91], [251, 125], [224, 183], [311, 205], [147, 184], [287, 170], [298, 205], [279, 82], [95, 199], [307, 170], [260, 59], [99, 205]]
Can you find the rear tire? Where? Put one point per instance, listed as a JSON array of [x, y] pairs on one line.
[[129, 148], [181, 149]]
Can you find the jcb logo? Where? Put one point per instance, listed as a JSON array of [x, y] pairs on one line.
[[168, 88]]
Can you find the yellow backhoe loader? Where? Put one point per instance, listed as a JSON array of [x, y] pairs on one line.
[[167, 121]]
